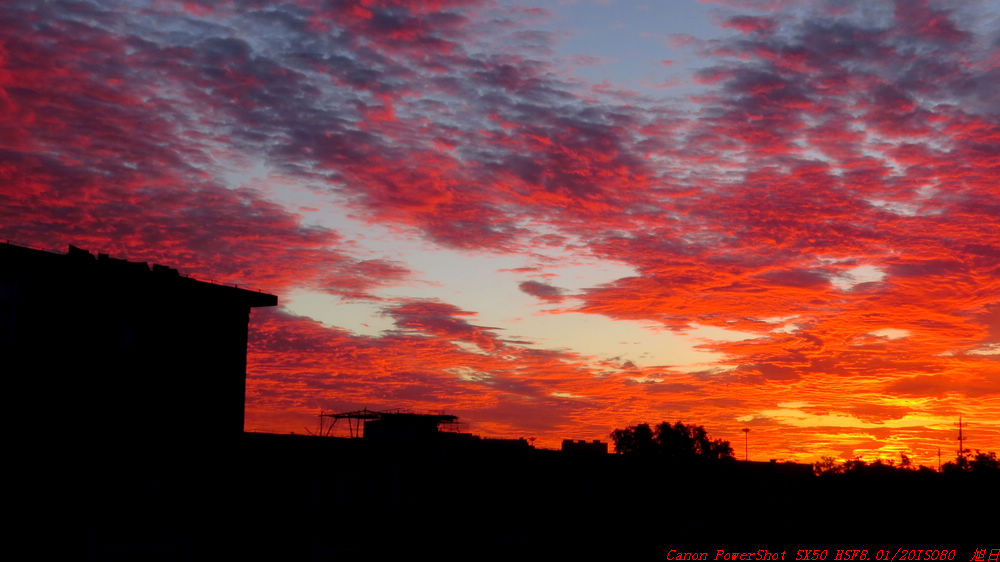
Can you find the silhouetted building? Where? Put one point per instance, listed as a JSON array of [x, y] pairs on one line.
[[787, 469], [595, 447], [429, 433], [109, 352], [506, 445], [405, 427]]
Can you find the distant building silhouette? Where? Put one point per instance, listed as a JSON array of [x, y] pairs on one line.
[[110, 352], [413, 431], [405, 427], [595, 447]]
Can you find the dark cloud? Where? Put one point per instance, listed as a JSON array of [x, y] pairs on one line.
[[939, 385], [761, 372], [793, 278], [444, 320], [751, 24], [541, 290]]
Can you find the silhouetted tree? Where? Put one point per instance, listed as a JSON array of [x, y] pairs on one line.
[[827, 465], [979, 463], [855, 465], [985, 462], [676, 443], [634, 440], [904, 462]]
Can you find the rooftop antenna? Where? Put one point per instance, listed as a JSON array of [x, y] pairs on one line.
[[746, 444]]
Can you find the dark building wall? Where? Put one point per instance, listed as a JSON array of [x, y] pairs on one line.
[[110, 351]]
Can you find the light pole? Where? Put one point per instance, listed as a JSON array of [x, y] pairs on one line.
[[746, 444]]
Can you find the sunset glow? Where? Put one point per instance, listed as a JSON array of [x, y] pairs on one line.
[[552, 220]]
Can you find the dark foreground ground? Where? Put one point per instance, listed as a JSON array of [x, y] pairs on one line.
[[272, 497]]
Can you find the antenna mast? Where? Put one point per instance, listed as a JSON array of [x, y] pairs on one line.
[[961, 438]]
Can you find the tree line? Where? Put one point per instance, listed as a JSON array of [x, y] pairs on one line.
[[979, 463], [684, 444], [677, 443]]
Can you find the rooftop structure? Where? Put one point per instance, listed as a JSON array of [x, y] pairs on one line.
[[390, 425]]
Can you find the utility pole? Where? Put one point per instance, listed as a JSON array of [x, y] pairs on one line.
[[746, 444]]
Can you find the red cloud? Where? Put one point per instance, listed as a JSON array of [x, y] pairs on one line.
[[751, 24], [818, 145]]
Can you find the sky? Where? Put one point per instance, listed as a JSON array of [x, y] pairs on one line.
[[549, 219]]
